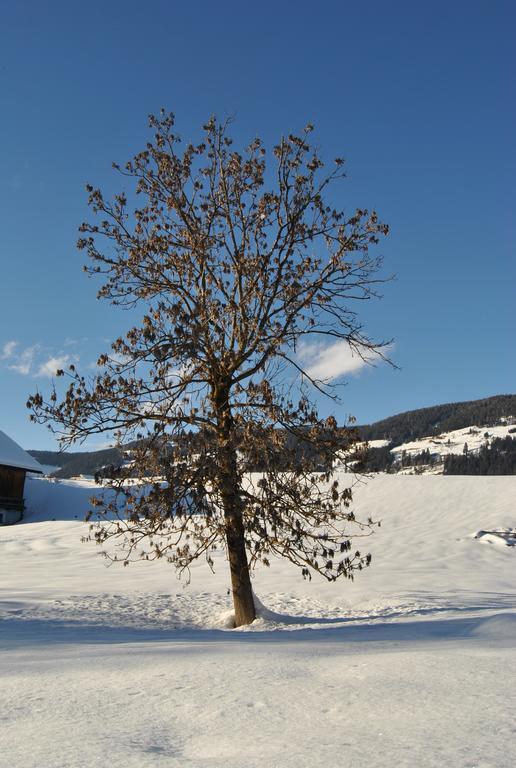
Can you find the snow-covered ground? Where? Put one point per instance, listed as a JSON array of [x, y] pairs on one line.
[[411, 664]]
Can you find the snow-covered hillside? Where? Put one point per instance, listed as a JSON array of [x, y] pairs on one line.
[[407, 665], [428, 454], [454, 442]]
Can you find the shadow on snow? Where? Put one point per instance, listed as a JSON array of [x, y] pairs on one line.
[[498, 629]]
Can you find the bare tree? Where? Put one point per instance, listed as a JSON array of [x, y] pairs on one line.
[[235, 263]]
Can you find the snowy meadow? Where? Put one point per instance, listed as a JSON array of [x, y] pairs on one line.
[[410, 664]]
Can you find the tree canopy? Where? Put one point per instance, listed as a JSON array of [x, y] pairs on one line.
[[235, 259]]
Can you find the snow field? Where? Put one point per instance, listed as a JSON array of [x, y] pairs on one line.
[[409, 665], [273, 704]]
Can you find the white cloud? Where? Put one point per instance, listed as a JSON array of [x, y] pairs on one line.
[[333, 361], [113, 359], [8, 350], [35, 361], [22, 362], [71, 342], [50, 366]]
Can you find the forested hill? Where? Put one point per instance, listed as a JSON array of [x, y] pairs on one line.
[[424, 422], [399, 429], [80, 463]]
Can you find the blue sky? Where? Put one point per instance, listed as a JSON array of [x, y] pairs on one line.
[[418, 97]]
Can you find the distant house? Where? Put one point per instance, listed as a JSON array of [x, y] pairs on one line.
[[14, 465]]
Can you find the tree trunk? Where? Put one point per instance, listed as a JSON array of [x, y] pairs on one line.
[[229, 486], [243, 602]]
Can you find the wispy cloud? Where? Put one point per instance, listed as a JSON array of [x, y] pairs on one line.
[[8, 350], [71, 342], [114, 359], [333, 361], [22, 361], [36, 360], [50, 366]]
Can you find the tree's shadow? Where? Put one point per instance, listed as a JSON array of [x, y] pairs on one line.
[[499, 628]]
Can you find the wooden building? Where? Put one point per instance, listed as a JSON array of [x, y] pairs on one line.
[[14, 465]]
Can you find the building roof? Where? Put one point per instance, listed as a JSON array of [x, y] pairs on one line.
[[12, 455]]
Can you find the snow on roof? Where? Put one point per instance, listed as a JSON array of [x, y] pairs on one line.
[[12, 455]]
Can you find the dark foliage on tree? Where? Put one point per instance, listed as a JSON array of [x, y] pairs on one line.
[[376, 460], [424, 422], [110, 459], [382, 460], [73, 463], [234, 264], [497, 457], [424, 458]]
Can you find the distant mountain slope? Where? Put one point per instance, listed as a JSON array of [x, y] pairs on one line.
[[424, 422], [79, 463], [396, 430], [56, 458]]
